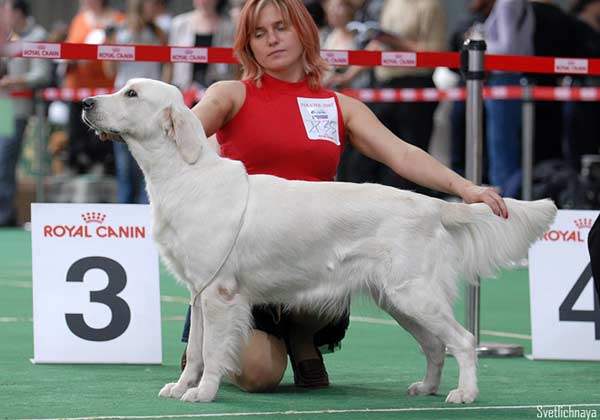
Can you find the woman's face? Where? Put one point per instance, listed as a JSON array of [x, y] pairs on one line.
[[275, 43], [339, 13]]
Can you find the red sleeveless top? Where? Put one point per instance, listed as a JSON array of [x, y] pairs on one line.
[[287, 130]]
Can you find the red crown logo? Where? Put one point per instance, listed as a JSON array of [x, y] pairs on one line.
[[583, 223], [93, 217]]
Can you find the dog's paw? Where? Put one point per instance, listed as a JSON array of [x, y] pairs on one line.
[[421, 388], [461, 396], [172, 390], [200, 394]]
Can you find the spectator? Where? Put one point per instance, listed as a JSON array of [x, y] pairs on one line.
[[235, 8], [206, 26], [406, 25], [157, 11], [547, 41], [582, 125], [468, 27], [338, 37], [21, 73], [4, 24], [508, 30], [369, 10], [139, 29], [317, 12], [85, 152]]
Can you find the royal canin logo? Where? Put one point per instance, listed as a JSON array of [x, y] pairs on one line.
[[557, 235], [44, 50], [336, 58], [119, 53], [398, 59], [94, 228], [189, 55]]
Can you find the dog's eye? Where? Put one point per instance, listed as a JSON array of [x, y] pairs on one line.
[[131, 93]]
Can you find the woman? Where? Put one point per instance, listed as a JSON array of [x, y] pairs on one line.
[[339, 14], [205, 26], [139, 29], [279, 120], [88, 27]]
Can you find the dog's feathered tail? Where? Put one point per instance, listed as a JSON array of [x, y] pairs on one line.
[[486, 242]]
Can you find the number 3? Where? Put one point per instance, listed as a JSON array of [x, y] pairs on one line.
[[120, 312]]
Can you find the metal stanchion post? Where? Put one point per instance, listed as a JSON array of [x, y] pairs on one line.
[[40, 111], [473, 69], [473, 57], [527, 135]]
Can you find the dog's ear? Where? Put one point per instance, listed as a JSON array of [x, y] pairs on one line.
[[179, 127]]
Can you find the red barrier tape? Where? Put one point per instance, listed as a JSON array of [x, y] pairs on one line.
[[539, 93], [550, 65]]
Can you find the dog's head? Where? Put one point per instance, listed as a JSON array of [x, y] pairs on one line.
[[148, 115]]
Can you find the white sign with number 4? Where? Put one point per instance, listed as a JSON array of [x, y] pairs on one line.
[[96, 295], [565, 314]]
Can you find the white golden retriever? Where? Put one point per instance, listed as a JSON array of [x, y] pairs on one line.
[[237, 240]]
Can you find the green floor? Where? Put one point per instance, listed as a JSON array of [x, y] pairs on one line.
[[369, 376]]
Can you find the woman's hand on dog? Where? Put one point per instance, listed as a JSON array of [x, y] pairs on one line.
[[488, 195]]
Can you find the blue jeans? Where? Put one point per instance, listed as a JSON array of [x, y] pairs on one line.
[[131, 187], [10, 150], [503, 133]]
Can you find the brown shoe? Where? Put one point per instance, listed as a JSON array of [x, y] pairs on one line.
[[310, 373]]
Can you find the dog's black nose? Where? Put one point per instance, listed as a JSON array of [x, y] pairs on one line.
[[88, 104]]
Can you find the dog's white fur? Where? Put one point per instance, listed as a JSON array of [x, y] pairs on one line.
[[304, 244]]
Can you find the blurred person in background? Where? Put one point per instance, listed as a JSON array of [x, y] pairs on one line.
[[19, 74], [85, 152], [549, 151], [509, 30], [582, 131], [156, 10], [206, 26], [369, 10], [317, 12], [405, 25], [235, 8], [469, 26], [337, 36], [139, 28], [4, 24]]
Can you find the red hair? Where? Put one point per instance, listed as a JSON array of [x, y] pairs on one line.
[[293, 12]]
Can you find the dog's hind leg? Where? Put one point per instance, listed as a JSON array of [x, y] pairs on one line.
[[193, 369], [227, 318], [432, 346], [424, 307]]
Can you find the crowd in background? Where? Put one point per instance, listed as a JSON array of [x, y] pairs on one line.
[[565, 132]]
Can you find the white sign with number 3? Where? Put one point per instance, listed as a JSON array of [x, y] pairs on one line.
[[96, 295], [565, 314]]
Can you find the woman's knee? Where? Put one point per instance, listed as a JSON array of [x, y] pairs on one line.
[[264, 361]]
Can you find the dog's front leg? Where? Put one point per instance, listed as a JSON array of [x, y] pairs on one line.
[[226, 325], [193, 369]]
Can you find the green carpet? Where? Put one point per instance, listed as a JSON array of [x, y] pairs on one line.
[[369, 375]]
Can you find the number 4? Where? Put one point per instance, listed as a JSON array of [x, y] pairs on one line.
[[566, 311]]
